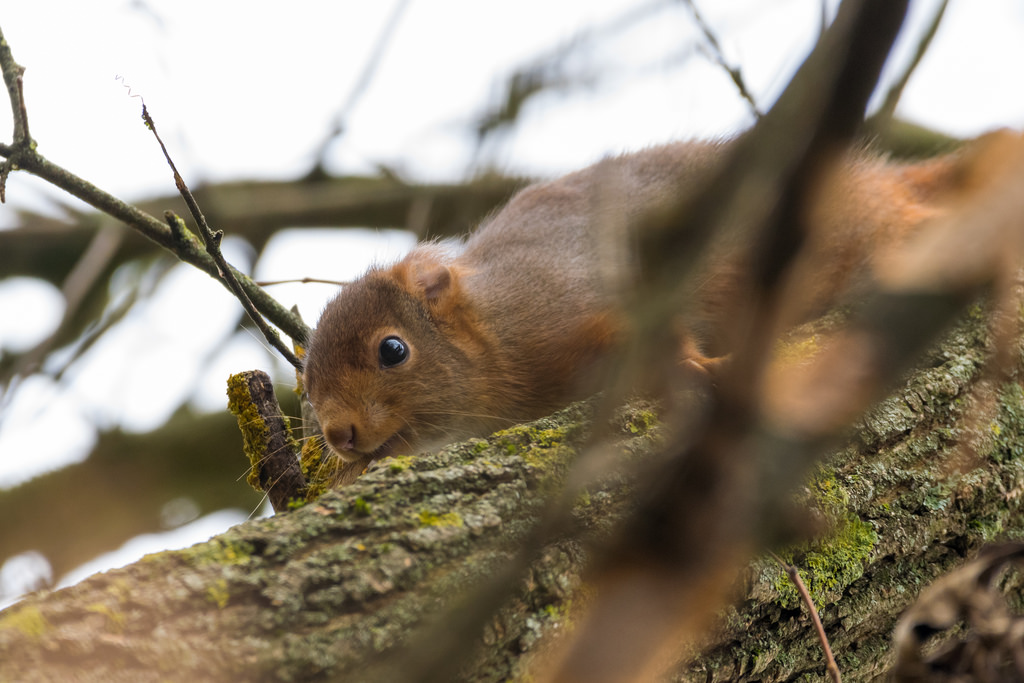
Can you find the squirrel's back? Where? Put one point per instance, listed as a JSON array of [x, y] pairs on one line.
[[442, 346], [550, 270]]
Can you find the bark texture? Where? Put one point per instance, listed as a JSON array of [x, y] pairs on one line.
[[930, 475], [334, 590]]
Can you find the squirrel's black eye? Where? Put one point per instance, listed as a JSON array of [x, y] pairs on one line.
[[393, 351]]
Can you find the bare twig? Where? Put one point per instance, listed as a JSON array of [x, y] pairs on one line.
[[369, 69], [22, 154], [212, 241], [892, 96], [13, 73], [794, 575], [716, 54], [303, 281]]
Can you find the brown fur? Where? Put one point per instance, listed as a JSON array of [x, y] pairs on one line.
[[517, 324]]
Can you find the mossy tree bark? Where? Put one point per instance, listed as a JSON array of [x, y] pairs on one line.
[[338, 589]]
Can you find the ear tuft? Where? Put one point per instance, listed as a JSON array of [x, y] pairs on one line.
[[434, 279]]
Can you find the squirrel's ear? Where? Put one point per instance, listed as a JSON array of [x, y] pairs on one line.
[[434, 279]]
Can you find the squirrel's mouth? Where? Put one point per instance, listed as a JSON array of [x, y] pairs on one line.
[[388, 447]]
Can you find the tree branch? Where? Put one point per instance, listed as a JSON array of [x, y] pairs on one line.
[[212, 241], [718, 56], [885, 112], [13, 74], [23, 155], [337, 589], [363, 82]]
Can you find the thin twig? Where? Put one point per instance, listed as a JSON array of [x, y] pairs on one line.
[[719, 58], [794, 576], [13, 73], [369, 69], [212, 241], [895, 92], [22, 155], [303, 281]]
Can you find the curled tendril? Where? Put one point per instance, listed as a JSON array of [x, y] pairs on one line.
[[145, 112], [131, 92]]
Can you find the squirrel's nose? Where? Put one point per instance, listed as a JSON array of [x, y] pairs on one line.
[[341, 437]]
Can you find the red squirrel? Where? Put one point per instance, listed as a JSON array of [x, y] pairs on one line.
[[453, 342]]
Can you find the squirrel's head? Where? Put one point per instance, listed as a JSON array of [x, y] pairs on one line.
[[383, 370]]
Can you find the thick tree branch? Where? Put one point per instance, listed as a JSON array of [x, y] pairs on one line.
[[256, 210], [337, 589]]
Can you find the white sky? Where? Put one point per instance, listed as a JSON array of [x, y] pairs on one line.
[[248, 89]]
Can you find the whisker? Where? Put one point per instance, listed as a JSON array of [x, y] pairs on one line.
[[259, 506]]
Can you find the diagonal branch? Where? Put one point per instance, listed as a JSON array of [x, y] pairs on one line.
[[892, 96], [718, 56], [22, 154], [13, 73], [212, 241], [794, 576], [361, 85]]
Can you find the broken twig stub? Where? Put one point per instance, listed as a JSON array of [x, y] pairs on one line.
[[267, 438]]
